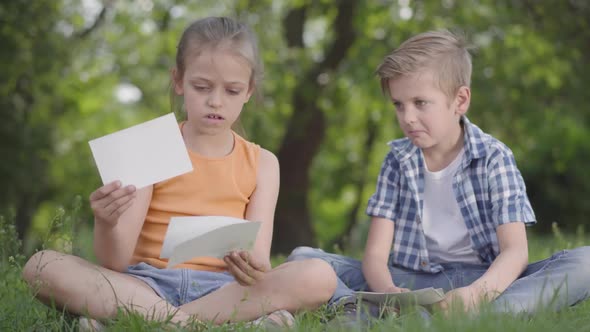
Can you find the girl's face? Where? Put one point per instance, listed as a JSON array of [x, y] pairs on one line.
[[215, 86]]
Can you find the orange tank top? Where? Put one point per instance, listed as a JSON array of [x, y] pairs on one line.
[[215, 187]]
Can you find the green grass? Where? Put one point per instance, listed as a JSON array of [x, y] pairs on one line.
[[20, 311]]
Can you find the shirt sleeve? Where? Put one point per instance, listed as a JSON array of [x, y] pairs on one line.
[[384, 202], [507, 190]]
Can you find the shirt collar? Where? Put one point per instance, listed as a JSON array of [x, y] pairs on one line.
[[474, 140]]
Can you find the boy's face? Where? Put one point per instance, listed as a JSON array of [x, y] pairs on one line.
[[425, 113]]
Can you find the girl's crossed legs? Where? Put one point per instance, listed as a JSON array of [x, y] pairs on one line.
[[83, 288]]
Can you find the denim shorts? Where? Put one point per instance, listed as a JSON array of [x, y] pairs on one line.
[[179, 286]]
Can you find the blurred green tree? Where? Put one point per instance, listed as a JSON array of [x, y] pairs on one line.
[[72, 71]]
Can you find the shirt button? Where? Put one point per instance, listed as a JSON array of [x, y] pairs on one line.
[[424, 263]]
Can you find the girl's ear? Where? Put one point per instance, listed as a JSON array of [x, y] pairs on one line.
[[176, 81], [250, 92], [462, 100]]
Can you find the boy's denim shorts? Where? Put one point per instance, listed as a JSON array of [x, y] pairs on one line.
[[179, 286]]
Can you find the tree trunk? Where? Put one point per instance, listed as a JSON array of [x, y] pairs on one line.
[[305, 131], [360, 203]]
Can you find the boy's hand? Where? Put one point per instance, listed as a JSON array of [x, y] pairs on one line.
[[245, 268], [110, 201], [395, 289], [468, 297]]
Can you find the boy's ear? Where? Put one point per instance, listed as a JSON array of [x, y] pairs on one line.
[[462, 100], [176, 81]]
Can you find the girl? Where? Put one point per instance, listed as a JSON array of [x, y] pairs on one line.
[[217, 69]]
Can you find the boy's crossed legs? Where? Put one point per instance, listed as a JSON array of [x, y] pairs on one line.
[[83, 288], [556, 282]]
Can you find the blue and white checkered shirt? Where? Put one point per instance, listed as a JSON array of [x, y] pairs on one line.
[[488, 186]]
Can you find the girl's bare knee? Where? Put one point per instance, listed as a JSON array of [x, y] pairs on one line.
[[318, 280], [325, 276], [47, 267], [36, 264], [64, 280]]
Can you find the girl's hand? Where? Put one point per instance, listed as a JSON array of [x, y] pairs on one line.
[[246, 269], [110, 201]]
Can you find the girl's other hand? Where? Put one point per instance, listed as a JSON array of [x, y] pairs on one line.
[[110, 201], [246, 269]]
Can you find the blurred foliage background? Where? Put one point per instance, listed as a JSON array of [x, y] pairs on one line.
[[73, 70]]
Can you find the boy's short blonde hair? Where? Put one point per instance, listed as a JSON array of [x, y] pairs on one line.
[[442, 51]]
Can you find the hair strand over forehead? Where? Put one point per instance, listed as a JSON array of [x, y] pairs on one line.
[[445, 53], [220, 32]]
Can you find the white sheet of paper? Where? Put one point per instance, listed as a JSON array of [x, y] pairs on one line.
[[143, 154], [213, 236], [425, 296]]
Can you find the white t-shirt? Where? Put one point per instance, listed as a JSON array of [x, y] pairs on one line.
[[447, 237]]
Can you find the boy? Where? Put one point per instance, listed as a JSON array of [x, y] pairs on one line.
[[451, 200]]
